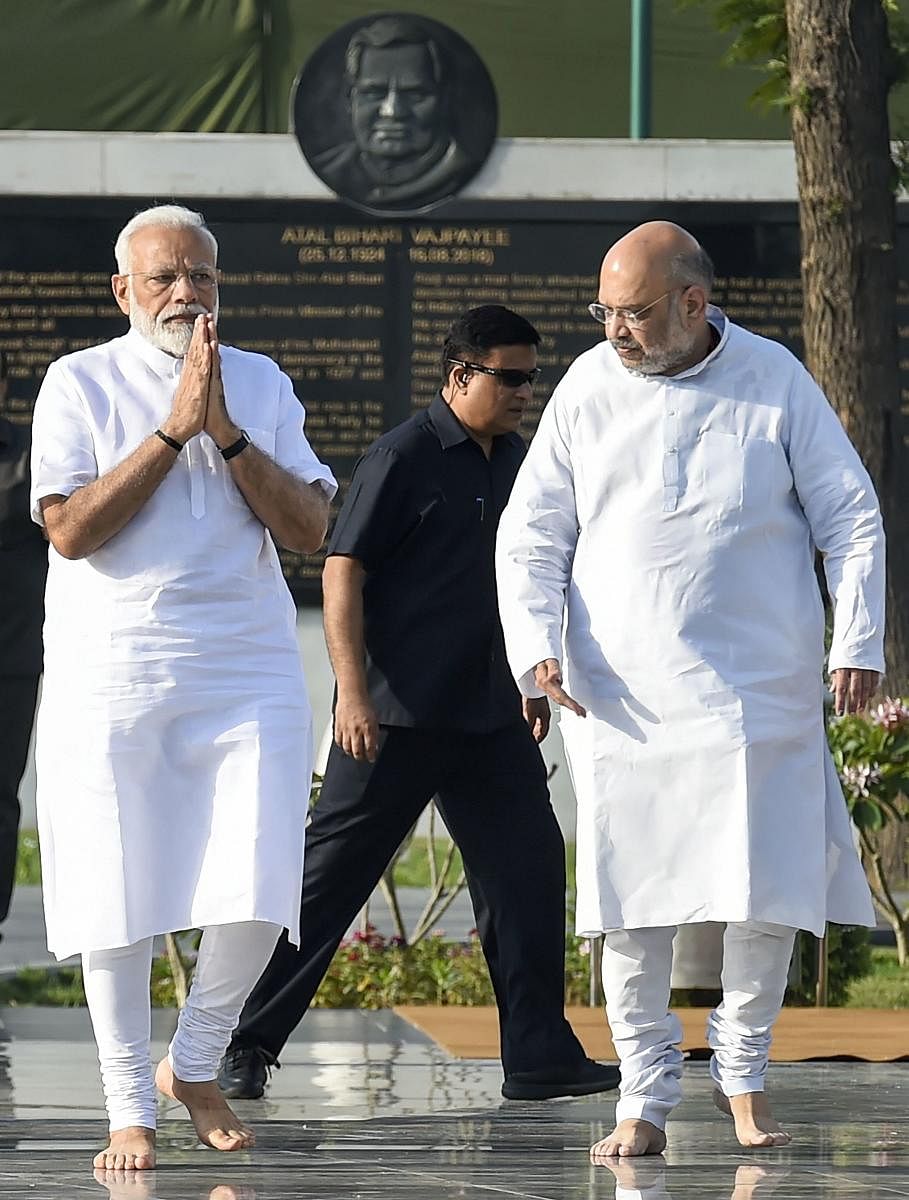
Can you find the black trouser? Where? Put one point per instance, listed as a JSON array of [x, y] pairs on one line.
[[17, 712], [493, 798]]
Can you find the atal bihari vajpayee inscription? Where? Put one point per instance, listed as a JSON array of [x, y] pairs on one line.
[[395, 113]]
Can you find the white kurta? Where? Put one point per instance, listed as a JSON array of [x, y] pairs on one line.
[[174, 735], [659, 541]]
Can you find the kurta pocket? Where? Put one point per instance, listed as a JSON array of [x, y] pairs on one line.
[[732, 472]]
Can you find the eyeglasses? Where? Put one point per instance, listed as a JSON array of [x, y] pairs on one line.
[[510, 376], [635, 319], [159, 282]]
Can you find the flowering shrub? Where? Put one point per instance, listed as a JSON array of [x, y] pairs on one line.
[[871, 753], [371, 971]]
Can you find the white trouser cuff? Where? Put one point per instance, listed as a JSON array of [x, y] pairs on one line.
[[756, 959], [116, 988], [122, 1116], [230, 960], [738, 1085], [655, 1191], [642, 1108]]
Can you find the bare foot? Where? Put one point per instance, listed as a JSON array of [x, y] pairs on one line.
[[127, 1185], [130, 1149], [755, 1125], [639, 1174], [753, 1182], [215, 1121], [629, 1139]]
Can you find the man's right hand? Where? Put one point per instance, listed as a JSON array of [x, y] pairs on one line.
[[190, 403], [547, 676], [357, 729]]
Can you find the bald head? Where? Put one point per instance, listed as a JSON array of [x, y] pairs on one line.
[[657, 255]]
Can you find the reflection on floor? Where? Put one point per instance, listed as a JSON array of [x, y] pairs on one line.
[[366, 1108]]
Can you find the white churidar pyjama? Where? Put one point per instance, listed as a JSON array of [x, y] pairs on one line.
[[231, 958], [637, 964]]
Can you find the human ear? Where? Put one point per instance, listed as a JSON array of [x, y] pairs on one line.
[[120, 287], [695, 302]]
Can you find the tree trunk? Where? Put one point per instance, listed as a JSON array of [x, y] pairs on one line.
[[882, 894], [841, 69]]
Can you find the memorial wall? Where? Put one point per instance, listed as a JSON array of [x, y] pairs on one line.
[[354, 308]]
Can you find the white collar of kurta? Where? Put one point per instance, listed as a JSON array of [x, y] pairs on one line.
[[164, 365]]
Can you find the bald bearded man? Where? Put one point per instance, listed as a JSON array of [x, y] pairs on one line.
[[656, 579]]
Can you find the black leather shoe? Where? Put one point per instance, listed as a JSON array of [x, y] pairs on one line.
[[244, 1072], [585, 1079]]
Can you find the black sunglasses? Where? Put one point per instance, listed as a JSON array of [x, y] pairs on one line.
[[510, 376]]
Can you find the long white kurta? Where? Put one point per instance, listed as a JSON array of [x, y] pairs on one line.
[[659, 541], [174, 736]]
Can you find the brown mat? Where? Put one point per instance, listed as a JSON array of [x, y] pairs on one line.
[[868, 1034]]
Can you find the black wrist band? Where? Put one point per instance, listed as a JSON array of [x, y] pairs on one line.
[[234, 448], [169, 441]]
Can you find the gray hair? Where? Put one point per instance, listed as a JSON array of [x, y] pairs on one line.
[[167, 216], [692, 267]]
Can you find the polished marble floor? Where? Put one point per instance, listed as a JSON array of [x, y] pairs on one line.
[[367, 1108]]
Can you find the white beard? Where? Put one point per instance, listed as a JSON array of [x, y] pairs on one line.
[[173, 337], [662, 360]]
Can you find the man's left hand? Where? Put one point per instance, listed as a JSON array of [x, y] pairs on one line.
[[538, 716], [218, 425], [853, 687]]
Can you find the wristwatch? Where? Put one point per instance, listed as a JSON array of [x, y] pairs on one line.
[[236, 447]]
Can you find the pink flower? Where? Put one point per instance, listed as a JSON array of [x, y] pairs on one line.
[[891, 714]]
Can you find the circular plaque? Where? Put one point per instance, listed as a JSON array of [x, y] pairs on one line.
[[395, 112]]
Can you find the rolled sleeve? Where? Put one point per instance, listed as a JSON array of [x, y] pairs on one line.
[[292, 449], [63, 451]]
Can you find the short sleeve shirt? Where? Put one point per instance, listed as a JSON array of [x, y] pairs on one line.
[[421, 516], [23, 559]]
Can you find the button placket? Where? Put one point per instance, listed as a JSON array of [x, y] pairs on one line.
[[195, 462], [671, 472]]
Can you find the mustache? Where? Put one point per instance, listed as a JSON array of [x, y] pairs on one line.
[[180, 310], [623, 343]]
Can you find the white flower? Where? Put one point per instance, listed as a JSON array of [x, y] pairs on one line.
[[860, 779]]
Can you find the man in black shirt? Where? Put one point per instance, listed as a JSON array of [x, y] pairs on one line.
[[23, 569], [426, 706]]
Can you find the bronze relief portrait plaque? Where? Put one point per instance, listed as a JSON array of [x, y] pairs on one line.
[[395, 113]]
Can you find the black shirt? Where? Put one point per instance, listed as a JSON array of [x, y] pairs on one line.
[[23, 559], [421, 516]]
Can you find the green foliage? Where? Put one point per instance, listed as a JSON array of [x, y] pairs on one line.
[[370, 971], [871, 754], [28, 859], [886, 985], [411, 869], [59, 987], [761, 39], [848, 959]]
